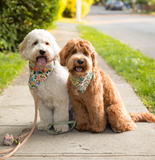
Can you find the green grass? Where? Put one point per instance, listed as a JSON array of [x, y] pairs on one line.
[[136, 68], [10, 66]]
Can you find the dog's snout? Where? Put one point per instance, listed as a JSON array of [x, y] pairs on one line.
[[42, 52], [80, 61]]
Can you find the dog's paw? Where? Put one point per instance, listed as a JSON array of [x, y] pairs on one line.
[[61, 128], [42, 126], [97, 129], [83, 127], [125, 127]]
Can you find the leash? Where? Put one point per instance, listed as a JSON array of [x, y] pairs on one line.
[[26, 135], [31, 130], [60, 123]]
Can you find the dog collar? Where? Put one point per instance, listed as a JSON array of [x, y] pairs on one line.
[[37, 76], [81, 82]]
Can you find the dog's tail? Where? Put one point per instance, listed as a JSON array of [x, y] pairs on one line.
[[142, 117]]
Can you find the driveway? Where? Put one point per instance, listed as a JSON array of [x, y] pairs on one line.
[[135, 30]]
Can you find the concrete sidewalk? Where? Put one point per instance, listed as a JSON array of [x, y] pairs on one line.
[[17, 112]]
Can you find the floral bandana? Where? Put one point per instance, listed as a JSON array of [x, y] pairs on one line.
[[37, 76], [81, 82]]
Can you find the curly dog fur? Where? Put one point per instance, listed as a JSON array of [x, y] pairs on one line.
[[53, 98], [101, 101]]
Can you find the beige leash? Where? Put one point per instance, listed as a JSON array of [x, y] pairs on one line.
[[26, 135]]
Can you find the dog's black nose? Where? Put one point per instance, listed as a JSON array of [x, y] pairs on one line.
[[42, 52], [80, 61]]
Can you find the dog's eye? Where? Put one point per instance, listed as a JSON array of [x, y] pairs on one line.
[[85, 53], [35, 43], [47, 43], [74, 52]]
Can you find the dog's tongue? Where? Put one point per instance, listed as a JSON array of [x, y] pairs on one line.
[[78, 69], [42, 61]]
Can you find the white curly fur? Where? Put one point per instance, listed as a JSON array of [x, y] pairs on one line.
[[52, 94]]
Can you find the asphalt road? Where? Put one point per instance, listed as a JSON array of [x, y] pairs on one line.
[[135, 30]]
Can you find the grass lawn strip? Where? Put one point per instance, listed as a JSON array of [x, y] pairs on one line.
[[10, 66], [137, 69]]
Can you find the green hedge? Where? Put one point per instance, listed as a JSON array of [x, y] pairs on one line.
[[18, 17], [70, 10]]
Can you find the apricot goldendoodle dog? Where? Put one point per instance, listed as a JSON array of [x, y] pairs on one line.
[[92, 92]]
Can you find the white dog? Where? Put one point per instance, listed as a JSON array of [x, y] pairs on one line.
[[41, 50]]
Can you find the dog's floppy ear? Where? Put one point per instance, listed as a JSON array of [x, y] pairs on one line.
[[64, 53], [93, 56], [22, 49]]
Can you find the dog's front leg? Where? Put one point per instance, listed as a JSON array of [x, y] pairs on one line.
[[81, 116], [97, 114], [61, 114], [45, 116]]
